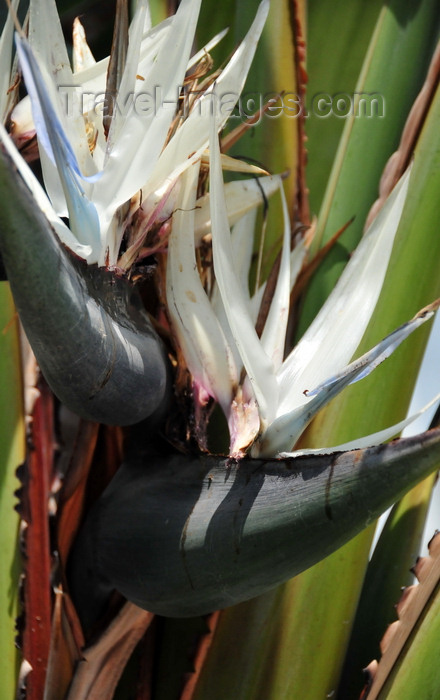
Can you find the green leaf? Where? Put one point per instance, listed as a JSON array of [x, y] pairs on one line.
[[280, 649], [334, 61], [383, 400], [12, 440], [395, 64], [158, 9], [388, 571]]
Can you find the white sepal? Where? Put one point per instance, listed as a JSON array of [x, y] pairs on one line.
[[83, 218], [368, 440], [273, 337], [332, 338], [143, 133], [63, 232], [6, 43], [192, 137], [241, 196], [285, 430], [199, 333], [258, 365]]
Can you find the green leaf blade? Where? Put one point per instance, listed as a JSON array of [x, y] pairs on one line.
[[12, 439]]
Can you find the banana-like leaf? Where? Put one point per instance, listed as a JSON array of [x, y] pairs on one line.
[[332, 70], [183, 536], [382, 582], [403, 35], [87, 327], [12, 440]]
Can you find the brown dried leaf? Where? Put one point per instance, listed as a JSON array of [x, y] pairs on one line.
[[146, 666], [71, 502], [64, 652], [116, 64], [103, 662], [412, 605], [298, 30], [201, 654]]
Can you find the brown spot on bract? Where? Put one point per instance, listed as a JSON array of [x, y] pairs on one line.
[[191, 296]]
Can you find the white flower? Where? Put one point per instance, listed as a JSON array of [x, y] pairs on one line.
[[137, 184], [89, 178], [271, 406]]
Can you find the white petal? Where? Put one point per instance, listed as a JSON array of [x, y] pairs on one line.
[[191, 139], [241, 196], [143, 133], [207, 48], [273, 337], [83, 218], [256, 301], [297, 257], [368, 440], [82, 55], [200, 336], [258, 365], [42, 201], [6, 41], [285, 430], [335, 333], [242, 241]]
